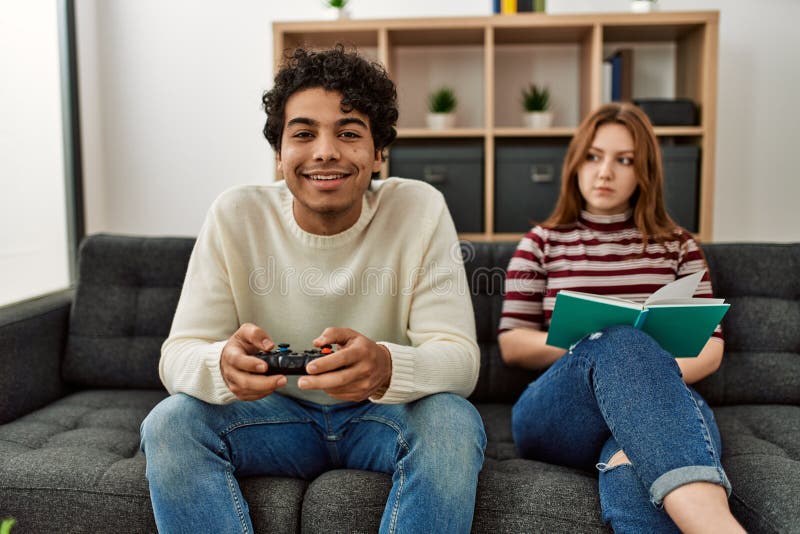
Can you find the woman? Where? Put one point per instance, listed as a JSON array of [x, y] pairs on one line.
[[616, 400]]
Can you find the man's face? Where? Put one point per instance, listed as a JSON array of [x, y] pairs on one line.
[[327, 158]]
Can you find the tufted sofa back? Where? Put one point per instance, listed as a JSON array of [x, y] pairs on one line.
[[128, 289], [762, 327], [126, 295]]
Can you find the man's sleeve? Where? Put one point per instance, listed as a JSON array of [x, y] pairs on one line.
[[204, 320], [444, 355]]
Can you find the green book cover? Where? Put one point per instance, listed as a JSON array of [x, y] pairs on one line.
[[679, 323], [576, 315]]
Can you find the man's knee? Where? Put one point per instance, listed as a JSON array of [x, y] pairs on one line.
[[174, 417], [450, 426]]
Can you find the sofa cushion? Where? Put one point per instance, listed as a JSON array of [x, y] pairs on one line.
[[762, 338], [761, 455], [127, 292], [75, 466]]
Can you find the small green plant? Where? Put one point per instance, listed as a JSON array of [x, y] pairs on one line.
[[442, 100], [536, 98], [337, 4], [6, 524]]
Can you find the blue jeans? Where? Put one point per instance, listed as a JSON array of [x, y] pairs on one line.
[[619, 390], [433, 448]]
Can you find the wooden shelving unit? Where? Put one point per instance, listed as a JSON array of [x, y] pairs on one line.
[[489, 59]]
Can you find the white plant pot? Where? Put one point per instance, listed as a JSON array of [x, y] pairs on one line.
[[441, 121], [338, 14], [642, 6], [538, 120]]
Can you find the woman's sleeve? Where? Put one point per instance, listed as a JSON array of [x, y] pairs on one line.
[[526, 281], [691, 261]]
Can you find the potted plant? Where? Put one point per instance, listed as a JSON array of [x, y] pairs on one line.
[[339, 8], [643, 6], [441, 107], [536, 103]]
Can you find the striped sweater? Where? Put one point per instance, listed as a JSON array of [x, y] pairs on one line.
[[599, 254]]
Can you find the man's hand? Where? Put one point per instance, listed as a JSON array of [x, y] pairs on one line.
[[237, 364], [354, 372]]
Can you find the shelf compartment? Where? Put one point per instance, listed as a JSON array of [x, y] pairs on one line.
[[365, 41], [419, 70], [556, 56]]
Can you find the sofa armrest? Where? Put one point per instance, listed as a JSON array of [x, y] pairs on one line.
[[33, 335]]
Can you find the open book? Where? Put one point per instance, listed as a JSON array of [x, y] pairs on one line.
[[679, 323]]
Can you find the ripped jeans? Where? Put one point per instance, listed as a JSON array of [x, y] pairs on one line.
[[619, 390]]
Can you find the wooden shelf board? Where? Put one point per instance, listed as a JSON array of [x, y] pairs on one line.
[[437, 36], [326, 39], [678, 130], [483, 238], [541, 34], [514, 131], [409, 133]]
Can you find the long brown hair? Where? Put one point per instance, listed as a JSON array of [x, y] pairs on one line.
[[649, 214]]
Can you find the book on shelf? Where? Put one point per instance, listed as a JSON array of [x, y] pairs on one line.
[[680, 323], [508, 7], [621, 75], [524, 6], [607, 75]]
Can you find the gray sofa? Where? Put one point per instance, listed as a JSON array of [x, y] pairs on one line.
[[79, 373]]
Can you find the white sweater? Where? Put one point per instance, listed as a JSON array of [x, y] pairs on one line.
[[395, 276]]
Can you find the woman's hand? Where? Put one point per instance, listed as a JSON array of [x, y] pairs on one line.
[[528, 348], [704, 364]]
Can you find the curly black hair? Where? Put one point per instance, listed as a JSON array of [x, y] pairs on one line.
[[365, 86]]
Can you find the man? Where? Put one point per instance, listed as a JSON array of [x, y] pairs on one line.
[[326, 256]]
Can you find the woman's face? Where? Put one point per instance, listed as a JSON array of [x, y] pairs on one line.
[[607, 178]]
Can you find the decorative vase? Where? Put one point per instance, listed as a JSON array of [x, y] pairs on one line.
[[441, 121], [537, 120], [643, 6]]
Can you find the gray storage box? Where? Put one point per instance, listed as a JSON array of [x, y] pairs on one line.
[[681, 183], [454, 168], [527, 184]]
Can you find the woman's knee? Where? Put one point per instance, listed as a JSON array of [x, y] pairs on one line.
[[621, 343]]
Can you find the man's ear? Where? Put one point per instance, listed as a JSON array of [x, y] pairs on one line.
[[376, 164]]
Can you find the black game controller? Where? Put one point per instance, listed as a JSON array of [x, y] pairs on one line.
[[284, 361]]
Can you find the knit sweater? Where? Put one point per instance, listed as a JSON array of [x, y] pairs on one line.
[[600, 254], [396, 276]]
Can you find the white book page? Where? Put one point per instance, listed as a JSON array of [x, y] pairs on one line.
[[603, 298], [688, 302], [682, 288]]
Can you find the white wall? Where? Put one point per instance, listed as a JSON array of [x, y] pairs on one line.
[[33, 220], [171, 105]]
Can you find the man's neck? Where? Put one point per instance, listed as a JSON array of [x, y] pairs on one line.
[[325, 224]]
